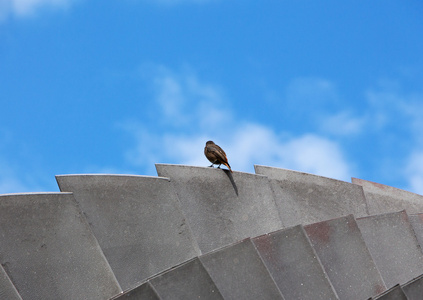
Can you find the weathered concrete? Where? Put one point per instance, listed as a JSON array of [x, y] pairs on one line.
[[305, 198], [394, 293], [223, 207], [137, 221], [49, 251], [416, 222], [345, 257], [293, 264], [384, 199], [239, 273], [7, 289], [414, 288], [187, 281], [143, 292], [393, 245]]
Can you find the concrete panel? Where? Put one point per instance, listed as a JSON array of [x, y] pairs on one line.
[[394, 293], [7, 289], [223, 207], [384, 199], [416, 222], [187, 281], [49, 251], [288, 255], [393, 245], [345, 257], [137, 221], [143, 292], [414, 288], [305, 198], [239, 273]]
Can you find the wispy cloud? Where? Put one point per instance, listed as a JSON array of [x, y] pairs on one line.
[[398, 116], [312, 93], [343, 123], [196, 112], [11, 181], [414, 172], [175, 2], [22, 8]]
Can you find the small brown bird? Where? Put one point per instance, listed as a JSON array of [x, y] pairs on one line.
[[216, 155]]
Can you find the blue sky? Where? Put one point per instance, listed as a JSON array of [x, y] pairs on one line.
[[333, 88]]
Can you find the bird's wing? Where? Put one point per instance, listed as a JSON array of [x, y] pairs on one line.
[[218, 152]]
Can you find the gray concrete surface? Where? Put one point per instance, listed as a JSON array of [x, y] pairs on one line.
[[49, 251], [187, 281], [345, 257], [305, 198], [394, 293], [294, 265], [416, 222], [7, 289], [143, 292], [239, 273], [137, 221], [223, 207], [393, 245], [383, 199], [414, 288]]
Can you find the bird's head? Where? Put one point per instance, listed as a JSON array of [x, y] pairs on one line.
[[209, 143]]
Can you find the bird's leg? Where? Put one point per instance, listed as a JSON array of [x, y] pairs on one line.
[[211, 165], [219, 166]]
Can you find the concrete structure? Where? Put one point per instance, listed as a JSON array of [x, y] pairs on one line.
[[394, 293], [7, 289], [383, 199], [393, 245], [414, 288], [305, 198], [135, 250], [239, 273], [289, 256], [188, 281], [223, 207], [342, 250], [198, 232], [49, 251], [144, 291]]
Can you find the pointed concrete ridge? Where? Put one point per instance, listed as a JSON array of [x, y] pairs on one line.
[[223, 207], [187, 281], [48, 250], [416, 222], [137, 221], [414, 288], [393, 245], [7, 289], [394, 293], [239, 273], [345, 257], [384, 199], [293, 264], [305, 198], [143, 292]]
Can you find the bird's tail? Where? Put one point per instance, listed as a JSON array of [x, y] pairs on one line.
[[229, 167]]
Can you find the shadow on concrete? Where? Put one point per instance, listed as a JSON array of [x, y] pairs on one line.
[[231, 178]]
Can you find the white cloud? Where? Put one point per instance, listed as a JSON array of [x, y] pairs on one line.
[[197, 112], [10, 182], [184, 101], [175, 2], [414, 172], [343, 123], [23, 8], [311, 93], [398, 115]]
